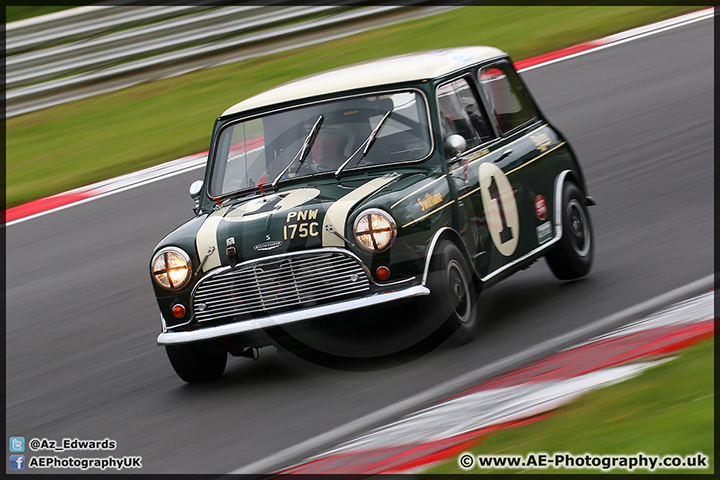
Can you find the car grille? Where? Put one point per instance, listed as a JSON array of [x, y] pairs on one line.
[[278, 283]]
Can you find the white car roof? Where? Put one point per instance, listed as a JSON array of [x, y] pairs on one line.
[[402, 68]]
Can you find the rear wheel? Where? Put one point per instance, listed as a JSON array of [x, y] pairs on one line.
[[572, 256], [453, 297], [194, 365]]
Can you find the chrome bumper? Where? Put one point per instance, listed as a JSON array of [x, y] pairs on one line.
[[171, 338]]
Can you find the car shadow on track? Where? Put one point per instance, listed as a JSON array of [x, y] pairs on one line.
[[507, 310]]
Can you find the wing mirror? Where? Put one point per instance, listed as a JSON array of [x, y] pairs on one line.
[[454, 145], [195, 189]]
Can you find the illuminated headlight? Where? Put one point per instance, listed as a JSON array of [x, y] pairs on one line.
[[375, 230], [171, 268]]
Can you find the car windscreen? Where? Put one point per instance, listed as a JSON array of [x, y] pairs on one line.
[[255, 151]]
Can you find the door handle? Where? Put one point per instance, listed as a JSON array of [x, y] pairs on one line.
[[506, 153]]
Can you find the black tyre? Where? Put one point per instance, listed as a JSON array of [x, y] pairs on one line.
[[453, 297], [572, 256], [194, 365]]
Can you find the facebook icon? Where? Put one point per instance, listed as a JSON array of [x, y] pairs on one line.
[[17, 462]]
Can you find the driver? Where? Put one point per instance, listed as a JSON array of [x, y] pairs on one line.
[[327, 150]]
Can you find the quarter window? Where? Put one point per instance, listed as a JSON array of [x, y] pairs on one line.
[[505, 96], [460, 113]]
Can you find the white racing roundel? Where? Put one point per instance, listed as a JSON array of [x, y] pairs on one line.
[[500, 207]]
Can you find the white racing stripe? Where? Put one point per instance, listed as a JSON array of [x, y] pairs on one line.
[[192, 162], [207, 234], [336, 215], [207, 237]]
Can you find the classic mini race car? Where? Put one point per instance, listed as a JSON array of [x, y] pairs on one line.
[[419, 178]]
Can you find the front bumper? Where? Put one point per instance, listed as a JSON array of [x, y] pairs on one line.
[[208, 333]]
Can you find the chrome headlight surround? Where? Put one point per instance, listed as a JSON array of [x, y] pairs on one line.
[[375, 230], [171, 268]]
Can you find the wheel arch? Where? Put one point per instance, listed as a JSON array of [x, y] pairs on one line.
[[567, 265], [448, 233], [566, 176], [563, 177], [572, 176]]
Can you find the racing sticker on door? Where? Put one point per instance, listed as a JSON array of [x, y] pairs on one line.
[[500, 208]]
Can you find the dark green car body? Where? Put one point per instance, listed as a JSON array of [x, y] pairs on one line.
[[460, 197]]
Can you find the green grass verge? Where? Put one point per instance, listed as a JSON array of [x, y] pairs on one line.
[[667, 410], [89, 140], [20, 13]]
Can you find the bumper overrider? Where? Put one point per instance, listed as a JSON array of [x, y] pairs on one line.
[[280, 290]]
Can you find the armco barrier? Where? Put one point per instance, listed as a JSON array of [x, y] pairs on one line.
[[86, 51]]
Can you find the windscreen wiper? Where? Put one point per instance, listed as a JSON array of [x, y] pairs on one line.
[[367, 143], [304, 150]]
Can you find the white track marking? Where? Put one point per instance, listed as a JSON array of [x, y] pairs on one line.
[[634, 34], [662, 25], [486, 408], [694, 310], [498, 405], [176, 167], [120, 184], [332, 437]]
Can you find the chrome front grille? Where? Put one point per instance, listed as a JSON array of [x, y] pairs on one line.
[[278, 282]]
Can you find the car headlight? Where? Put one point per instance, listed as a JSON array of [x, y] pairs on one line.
[[375, 230], [171, 268]]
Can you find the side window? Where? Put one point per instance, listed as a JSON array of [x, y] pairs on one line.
[[505, 96], [460, 113]]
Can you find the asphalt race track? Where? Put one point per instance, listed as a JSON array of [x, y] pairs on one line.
[[82, 321]]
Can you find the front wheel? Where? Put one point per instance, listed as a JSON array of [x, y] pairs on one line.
[[194, 365], [453, 297], [572, 256]]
